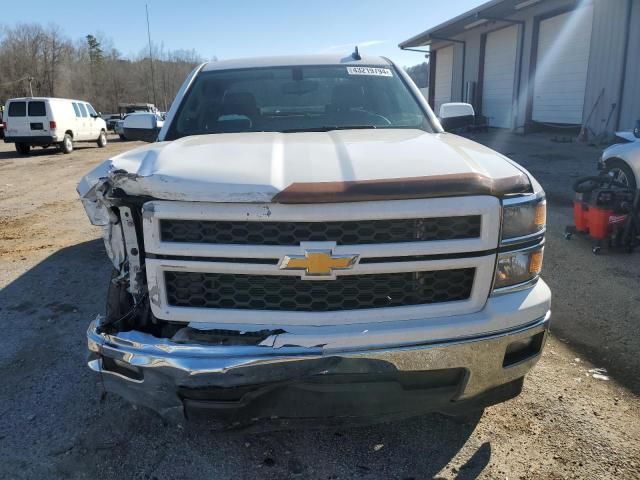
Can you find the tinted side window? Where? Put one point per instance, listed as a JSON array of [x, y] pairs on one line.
[[91, 110], [76, 109], [18, 109], [83, 111], [37, 109]]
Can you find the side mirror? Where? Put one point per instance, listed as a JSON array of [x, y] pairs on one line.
[[636, 130], [141, 126], [456, 115]]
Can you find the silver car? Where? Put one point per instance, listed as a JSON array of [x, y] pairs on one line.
[[622, 160], [118, 128]]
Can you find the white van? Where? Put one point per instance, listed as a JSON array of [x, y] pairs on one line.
[[52, 121]]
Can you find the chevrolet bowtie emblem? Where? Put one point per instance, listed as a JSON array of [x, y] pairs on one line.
[[319, 263]]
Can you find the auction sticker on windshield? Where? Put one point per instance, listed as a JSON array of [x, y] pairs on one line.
[[375, 71]]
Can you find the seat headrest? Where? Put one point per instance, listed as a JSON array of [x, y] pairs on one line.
[[240, 103], [347, 95]]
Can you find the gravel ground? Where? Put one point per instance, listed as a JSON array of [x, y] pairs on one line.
[[54, 424]]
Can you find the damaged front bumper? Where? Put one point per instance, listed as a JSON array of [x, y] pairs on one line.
[[248, 383]]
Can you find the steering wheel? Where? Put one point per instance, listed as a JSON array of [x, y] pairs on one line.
[[384, 119], [369, 115]]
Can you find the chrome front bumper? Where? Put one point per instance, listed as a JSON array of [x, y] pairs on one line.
[[156, 373]]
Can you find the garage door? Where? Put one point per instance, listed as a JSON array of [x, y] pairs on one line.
[[444, 73], [499, 76], [561, 67]]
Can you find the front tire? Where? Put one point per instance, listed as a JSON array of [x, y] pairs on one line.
[[102, 139], [67, 144], [23, 148], [622, 173]]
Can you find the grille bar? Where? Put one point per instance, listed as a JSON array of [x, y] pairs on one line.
[[281, 293], [342, 232]]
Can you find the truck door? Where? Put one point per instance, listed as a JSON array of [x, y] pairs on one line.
[[84, 131], [94, 127], [37, 118], [77, 121], [17, 125]]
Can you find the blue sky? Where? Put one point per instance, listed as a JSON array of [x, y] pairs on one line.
[[237, 28]]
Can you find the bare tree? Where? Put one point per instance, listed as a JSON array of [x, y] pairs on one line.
[[90, 68], [56, 48], [21, 59]]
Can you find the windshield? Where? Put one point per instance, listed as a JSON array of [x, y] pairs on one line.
[[297, 99]]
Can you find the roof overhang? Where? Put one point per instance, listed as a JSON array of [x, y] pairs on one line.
[[491, 10]]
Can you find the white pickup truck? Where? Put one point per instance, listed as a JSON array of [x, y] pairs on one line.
[[304, 241]]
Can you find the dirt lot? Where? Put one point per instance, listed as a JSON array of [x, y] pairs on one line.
[[53, 424]]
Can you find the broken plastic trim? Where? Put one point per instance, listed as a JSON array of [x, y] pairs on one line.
[[190, 335], [133, 251]]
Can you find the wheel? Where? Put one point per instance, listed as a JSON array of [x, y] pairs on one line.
[[66, 146], [102, 139], [622, 173], [596, 250], [23, 148]]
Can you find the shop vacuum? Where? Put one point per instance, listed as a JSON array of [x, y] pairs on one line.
[[607, 212]]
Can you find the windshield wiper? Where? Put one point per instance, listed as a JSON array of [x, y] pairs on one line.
[[328, 128]]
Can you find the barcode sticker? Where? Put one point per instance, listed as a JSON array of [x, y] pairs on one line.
[[375, 71]]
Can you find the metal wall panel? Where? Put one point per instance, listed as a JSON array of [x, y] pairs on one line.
[[471, 65], [631, 97], [605, 66]]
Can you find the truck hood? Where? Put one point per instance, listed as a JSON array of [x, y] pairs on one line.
[[344, 165]]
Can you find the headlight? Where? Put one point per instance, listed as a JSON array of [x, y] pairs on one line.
[[518, 267], [523, 218]]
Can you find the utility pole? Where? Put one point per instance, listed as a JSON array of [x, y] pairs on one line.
[[153, 78], [30, 79]]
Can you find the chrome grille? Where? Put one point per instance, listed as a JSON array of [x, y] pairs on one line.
[[343, 232], [287, 293], [417, 258]]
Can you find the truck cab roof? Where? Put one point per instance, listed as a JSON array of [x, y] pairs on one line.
[[295, 60]]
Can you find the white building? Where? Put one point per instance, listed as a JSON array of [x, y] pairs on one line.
[[524, 64]]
